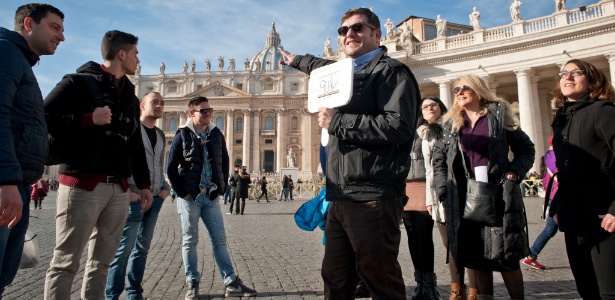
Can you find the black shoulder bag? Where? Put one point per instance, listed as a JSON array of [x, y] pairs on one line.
[[480, 198]]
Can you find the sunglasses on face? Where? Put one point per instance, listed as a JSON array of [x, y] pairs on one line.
[[430, 105], [356, 27], [204, 110], [573, 73], [458, 89]]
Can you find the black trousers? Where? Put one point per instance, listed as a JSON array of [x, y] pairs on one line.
[[593, 265], [263, 193], [419, 228], [362, 241]]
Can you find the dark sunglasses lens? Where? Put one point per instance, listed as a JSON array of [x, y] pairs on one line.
[[342, 30], [357, 27]]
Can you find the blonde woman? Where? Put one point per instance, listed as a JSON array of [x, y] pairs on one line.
[[479, 131]]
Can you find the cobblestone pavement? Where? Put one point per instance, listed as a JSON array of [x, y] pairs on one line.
[[274, 256]]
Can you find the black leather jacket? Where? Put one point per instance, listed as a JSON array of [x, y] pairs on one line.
[[185, 162], [371, 136]]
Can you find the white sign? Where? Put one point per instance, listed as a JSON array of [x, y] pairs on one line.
[[330, 86]]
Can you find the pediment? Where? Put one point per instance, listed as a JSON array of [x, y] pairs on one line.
[[218, 89]]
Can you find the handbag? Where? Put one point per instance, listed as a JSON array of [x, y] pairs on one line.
[[42, 193], [29, 256], [480, 199]]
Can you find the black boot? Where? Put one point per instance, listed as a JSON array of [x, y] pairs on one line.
[[429, 287], [418, 291]]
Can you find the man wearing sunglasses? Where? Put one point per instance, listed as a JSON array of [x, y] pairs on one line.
[[198, 168], [367, 162]]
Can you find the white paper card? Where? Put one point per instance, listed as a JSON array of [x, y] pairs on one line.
[[331, 85], [480, 173]]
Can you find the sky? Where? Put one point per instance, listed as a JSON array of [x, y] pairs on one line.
[[178, 30]]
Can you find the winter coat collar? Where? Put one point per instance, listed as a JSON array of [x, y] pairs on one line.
[[21, 42]]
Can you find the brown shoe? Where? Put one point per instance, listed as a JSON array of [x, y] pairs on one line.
[[472, 294], [458, 292]]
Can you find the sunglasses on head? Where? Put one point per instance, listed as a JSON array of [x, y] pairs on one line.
[[204, 110], [356, 27], [458, 89]]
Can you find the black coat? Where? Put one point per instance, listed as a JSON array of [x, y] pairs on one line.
[[450, 185], [113, 149], [583, 142], [243, 185]]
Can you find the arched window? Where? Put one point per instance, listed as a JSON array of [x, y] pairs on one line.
[[173, 125], [294, 123], [269, 123], [172, 87], [239, 125], [220, 123]]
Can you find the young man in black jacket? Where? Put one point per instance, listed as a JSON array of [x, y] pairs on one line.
[[94, 116], [198, 168], [367, 162], [39, 29]]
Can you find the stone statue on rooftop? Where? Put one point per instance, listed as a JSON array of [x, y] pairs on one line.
[[440, 27], [475, 19], [390, 29], [231, 64], [220, 63], [257, 64], [138, 71], [560, 5], [193, 66], [406, 35], [162, 67], [185, 67], [328, 50], [246, 64], [515, 12], [208, 65]]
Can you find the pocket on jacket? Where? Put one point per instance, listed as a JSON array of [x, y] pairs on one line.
[[494, 243], [360, 164]]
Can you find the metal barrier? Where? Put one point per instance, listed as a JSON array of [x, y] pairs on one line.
[[301, 190]]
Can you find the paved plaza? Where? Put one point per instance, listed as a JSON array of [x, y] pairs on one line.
[[277, 258]]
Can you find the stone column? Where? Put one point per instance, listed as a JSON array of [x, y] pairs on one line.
[[528, 106], [541, 139], [307, 145], [446, 93], [256, 134], [246, 138], [611, 58], [280, 154], [229, 134]]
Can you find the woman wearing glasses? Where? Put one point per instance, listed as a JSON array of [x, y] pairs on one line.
[[418, 210], [584, 141], [479, 131]]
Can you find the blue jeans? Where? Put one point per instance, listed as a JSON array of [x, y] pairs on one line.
[[210, 213], [285, 193], [542, 239], [135, 243], [11, 241], [228, 195]]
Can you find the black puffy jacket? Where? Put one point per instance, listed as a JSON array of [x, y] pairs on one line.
[[23, 131], [185, 162]]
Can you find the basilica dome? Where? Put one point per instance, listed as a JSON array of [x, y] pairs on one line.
[[268, 58]]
